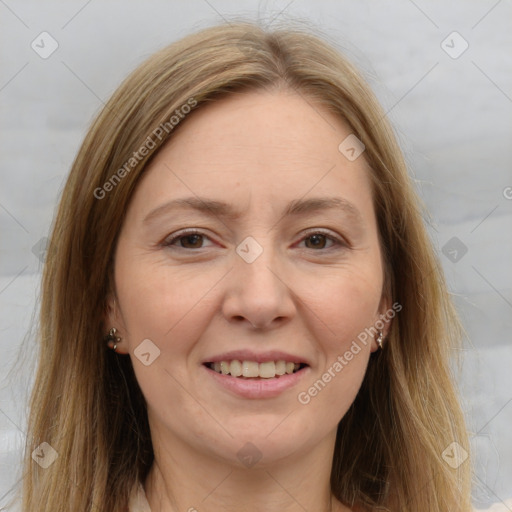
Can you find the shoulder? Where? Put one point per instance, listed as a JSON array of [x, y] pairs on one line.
[[138, 501], [504, 506]]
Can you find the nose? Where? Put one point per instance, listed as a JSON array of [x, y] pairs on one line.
[[259, 292]]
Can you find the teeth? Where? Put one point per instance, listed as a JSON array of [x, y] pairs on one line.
[[280, 367], [266, 370], [236, 368], [250, 369]]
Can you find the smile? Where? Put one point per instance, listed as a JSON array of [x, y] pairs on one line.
[[253, 369]]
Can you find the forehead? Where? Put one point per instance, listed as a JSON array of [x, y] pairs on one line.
[[278, 124], [266, 145]]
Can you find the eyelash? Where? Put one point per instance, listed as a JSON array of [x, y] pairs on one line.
[[184, 234]]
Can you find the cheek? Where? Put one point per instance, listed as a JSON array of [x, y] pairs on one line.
[[157, 301], [346, 311], [170, 308], [347, 304]]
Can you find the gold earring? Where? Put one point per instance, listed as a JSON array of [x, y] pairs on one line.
[[112, 340], [380, 339]]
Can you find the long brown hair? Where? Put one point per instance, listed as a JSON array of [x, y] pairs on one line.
[[86, 402]]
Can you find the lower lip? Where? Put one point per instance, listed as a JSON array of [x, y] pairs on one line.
[[257, 388]]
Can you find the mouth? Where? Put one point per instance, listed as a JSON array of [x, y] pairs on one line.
[[254, 370]]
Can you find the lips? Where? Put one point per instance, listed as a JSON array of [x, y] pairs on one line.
[[255, 388]]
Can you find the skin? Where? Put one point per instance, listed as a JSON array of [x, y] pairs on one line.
[[305, 295]]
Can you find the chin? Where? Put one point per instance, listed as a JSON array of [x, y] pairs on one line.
[[271, 445]]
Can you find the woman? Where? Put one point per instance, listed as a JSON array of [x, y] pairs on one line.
[[241, 307]]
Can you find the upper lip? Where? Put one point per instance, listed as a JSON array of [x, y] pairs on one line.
[[259, 357]]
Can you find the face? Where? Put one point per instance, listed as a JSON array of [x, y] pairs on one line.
[[250, 246]]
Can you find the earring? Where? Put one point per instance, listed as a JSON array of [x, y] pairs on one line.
[[380, 339], [111, 339]]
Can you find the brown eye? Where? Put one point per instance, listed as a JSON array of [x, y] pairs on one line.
[[191, 241], [186, 240], [317, 241]]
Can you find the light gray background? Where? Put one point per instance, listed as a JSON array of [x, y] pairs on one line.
[[453, 117]]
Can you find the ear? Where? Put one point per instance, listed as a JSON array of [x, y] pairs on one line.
[[386, 314], [384, 318], [110, 319]]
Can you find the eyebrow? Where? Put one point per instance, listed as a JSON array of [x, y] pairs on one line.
[[220, 209]]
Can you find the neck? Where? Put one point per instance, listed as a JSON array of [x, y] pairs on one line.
[[183, 479]]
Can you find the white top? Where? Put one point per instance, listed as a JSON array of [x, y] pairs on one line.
[[139, 503]]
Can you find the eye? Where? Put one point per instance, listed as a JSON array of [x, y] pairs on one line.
[[190, 239], [319, 239], [194, 239]]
